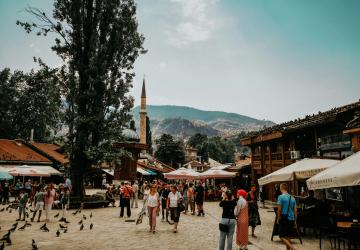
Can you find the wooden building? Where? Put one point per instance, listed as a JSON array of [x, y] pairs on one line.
[[332, 134]]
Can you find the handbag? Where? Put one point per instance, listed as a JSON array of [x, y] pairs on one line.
[[180, 206], [223, 227]]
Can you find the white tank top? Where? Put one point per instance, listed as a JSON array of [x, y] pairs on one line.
[[153, 200]]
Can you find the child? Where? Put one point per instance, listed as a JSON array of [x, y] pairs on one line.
[[39, 203], [64, 200], [22, 203]]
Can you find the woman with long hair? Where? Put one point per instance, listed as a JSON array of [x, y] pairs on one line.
[[228, 221], [153, 205], [49, 200]]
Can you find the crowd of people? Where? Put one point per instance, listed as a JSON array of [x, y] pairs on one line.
[[38, 195]]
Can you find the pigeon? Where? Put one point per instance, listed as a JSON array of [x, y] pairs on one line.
[[80, 222], [10, 211], [45, 229], [22, 228], [91, 215], [65, 231], [28, 224], [6, 238], [57, 215], [74, 213], [2, 210], [58, 233], [67, 222], [43, 226], [91, 226], [84, 217], [62, 227], [82, 227], [2, 246], [34, 245], [15, 224], [7, 208]]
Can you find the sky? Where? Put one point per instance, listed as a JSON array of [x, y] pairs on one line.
[[275, 59]]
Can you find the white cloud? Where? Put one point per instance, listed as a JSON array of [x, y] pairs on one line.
[[197, 24], [31, 45]]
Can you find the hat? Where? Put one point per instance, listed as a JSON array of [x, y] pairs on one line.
[[242, 193]]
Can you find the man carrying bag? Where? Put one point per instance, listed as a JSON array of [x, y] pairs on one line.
[[286, 216]]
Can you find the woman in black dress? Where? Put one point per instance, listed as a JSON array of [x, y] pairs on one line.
[[254, 216]]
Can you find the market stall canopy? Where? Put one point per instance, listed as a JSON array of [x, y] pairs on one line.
[[217, 174], [344, 174], [182, 173], [302, 169], [26, 170], [5, 176]]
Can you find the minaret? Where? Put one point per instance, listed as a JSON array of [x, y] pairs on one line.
[[143, 114]]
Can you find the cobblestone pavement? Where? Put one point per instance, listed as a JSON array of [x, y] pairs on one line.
[[112, 232]]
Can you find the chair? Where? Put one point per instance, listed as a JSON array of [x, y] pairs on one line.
[[353, 237], [327, 228]]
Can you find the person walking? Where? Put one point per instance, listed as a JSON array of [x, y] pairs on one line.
[[125, 192], [153, 205], [254, 216], [286, 215], [65, 202], [39, 203], [172, 204], [135, 195], [228, 221], [49, 200], [241, 212], [190, 198], [23, 199], [164, 195], [199, 198]]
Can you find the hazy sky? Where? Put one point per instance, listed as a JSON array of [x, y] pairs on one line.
[[274, 59]]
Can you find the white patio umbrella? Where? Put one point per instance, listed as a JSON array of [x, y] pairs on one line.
[[26, 170], [182, 174], [214, 173], [344, 174], [300, 170]]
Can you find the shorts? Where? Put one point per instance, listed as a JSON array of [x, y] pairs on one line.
[[39, 206], [174, 214], [163, 203], [286, 228]]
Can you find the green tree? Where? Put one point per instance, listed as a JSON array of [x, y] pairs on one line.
[[200, 142], [99, 43], [221, 149], [30, 101], [169, 150], [149, 136]]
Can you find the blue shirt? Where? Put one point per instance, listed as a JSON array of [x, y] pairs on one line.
[[283, 201]]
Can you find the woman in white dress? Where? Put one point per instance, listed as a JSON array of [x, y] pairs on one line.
[[153, 205]]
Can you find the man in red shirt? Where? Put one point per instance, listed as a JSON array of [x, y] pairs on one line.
[[125, 193]]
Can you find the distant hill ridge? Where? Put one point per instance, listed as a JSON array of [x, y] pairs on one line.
[[160, 112], [183, 122]]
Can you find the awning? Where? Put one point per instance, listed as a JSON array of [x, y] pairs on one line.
[[31, 170], [150, 172], [182, 173], [345, 173], [4, 176], [25, 170], [302, 169], [139, 170], [217, 174]]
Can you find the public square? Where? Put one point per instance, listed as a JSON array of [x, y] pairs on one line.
[[111, 232]]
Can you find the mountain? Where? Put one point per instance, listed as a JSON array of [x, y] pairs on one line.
[[184, 121]]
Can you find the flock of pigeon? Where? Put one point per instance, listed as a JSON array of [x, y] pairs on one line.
[[63, 228]]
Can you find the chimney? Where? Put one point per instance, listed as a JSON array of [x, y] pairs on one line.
[[32, 135]]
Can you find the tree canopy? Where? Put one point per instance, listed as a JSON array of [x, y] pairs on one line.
[[99, 43], [169, 150], [30, 101], [218, 148]]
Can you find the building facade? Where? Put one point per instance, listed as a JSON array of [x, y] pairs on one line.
[[332, 134]]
